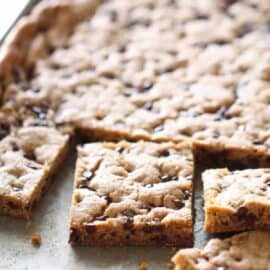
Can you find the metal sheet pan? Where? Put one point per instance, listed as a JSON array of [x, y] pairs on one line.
[[50, 219]]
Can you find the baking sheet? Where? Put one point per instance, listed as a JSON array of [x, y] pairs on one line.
[[50, 219]]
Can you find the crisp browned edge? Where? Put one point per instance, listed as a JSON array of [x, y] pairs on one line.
[[184, 237]]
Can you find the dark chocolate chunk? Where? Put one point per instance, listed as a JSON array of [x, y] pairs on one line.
[[120, 149], [128, 224], [148, 106], [166, 178], [129, 213], [108, 199], [243, 215], [4, 130], [90, 228], [178, 203], [187, 195], [147, 85], [30, 155], [164, 153]]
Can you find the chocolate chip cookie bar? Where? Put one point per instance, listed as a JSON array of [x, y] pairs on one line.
[[28, 157], [244, 251], [132, 194], [236, 200]]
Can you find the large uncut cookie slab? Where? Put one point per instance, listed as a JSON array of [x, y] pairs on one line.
[[236, 200], [246, 251], [162, 70], [132, 194], [28, 157], [154, 70]]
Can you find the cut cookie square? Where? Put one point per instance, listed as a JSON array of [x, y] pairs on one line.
[[132, 194], [236, 200], [28, 157], [244, 251]]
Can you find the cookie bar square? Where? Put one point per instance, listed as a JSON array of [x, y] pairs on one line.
[[236, 200], [28, 157], [132, 194], [244, 251]]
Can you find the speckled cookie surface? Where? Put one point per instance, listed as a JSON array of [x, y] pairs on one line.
[[161, 70], [236, 200], [241, 252], [132, 193]]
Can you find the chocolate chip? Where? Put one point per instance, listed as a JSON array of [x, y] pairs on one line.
[[166, 70], [90, 227], [30, 155], [147, 85], [74, 236], [15, 147], [159, 128], [129, 213], [4, 130], [13, 205], [108, 199], [243, 215], [113, 16], [164, 153], [32, 166], [142, 22], [87, 175], [222, 113], [122, 49], [35, 89], [127, 93], [148, 106], [228, 3], [120, 149], [128, 224], [257, 142], [178, 203], [186, 195], [246, 29], [166, 178], [220, 42]]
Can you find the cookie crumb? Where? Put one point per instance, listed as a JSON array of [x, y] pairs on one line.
[[142, 266], [36, 240]]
